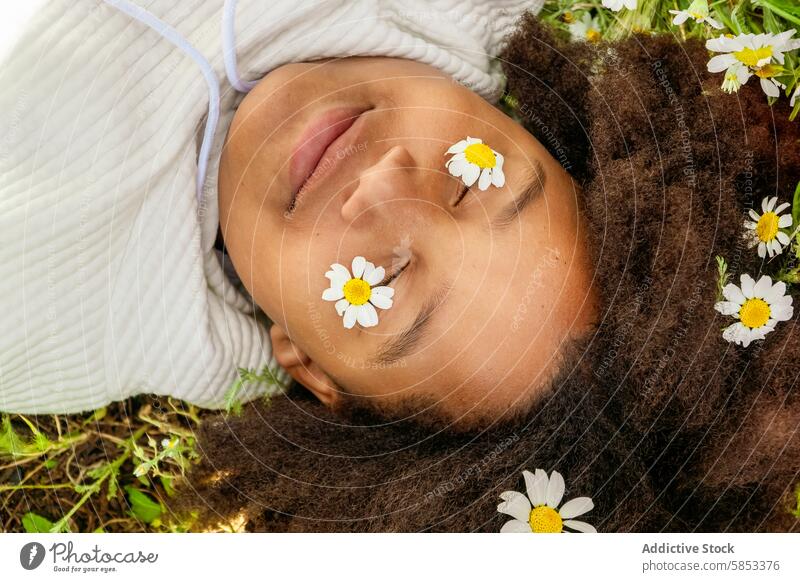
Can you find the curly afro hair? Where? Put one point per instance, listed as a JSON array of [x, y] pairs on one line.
[[665, 425]]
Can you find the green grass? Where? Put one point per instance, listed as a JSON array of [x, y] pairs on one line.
[[652, 16], [112, 470]]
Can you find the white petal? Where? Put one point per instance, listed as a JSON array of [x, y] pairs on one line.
[[555, 490], [350, 315], [471, 173], [775, 292], [770, 88], [516, 505], [367, 316], [781, 208], [368, 268], [383, 290], [485, 180], [457, 168], [721, 63], [499, 160], [340, 306], [762, 250], [785, 220], [762, 287], [358, 266], [746, 337], [472, 140], [771, 203], [333, 294], [713, 23], [781, 313], [728, 308], [680, 17], [754, 215], [723, 44], [457, 147], [338, 275], [536, 485], [515, 526], [381, 301], [576, 507], [375, 276], [498, 178], [733, 293], [580, 526], [747, 285]]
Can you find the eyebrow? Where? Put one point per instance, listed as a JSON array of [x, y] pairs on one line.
[[534, 186], [398, 346]]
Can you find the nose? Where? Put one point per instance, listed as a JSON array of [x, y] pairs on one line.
[[394, 177]]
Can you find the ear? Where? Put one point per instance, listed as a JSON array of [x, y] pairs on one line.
[[301, 367]]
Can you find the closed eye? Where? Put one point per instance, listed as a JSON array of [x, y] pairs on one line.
[[462, 191]]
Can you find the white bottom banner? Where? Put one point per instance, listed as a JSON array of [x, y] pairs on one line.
[[388, 557]]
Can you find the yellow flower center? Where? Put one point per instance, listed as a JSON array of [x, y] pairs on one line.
[[357, 291], [697, 15], [592, 35], [751, 57], [767, 226], [568, 17], [754, 313], [481, 155], [545, 519], [768, 71]]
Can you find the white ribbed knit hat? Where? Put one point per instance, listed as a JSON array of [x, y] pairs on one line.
[[109, 282]]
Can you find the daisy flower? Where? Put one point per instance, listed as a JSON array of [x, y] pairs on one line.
[[356, 295], [539, 512], [766, 227], [698, 10], [762, 54], [474, 160], [587, 28], [617, 5], [736, 76], [757, 306]]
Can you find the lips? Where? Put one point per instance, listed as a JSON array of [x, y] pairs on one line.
[[315, 140]]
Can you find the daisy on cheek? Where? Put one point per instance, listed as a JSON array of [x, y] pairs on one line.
[[356, 295], [474, 160]]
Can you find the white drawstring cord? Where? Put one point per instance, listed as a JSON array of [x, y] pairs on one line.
[[172, 35], [229, 49]]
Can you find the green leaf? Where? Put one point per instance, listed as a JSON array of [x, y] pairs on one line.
[[34, 523], [796, 207], [50, 463], [166, 483], [143, 506], [11, 443]]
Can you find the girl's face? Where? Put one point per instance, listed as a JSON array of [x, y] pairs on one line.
[[329, 160]]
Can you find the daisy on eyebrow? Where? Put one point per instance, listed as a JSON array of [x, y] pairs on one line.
[[357, 295], [473, 160]]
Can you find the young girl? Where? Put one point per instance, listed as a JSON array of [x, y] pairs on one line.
[[113, 119], [675, 410]]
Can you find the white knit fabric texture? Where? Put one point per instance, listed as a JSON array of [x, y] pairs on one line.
[[109, 282]]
